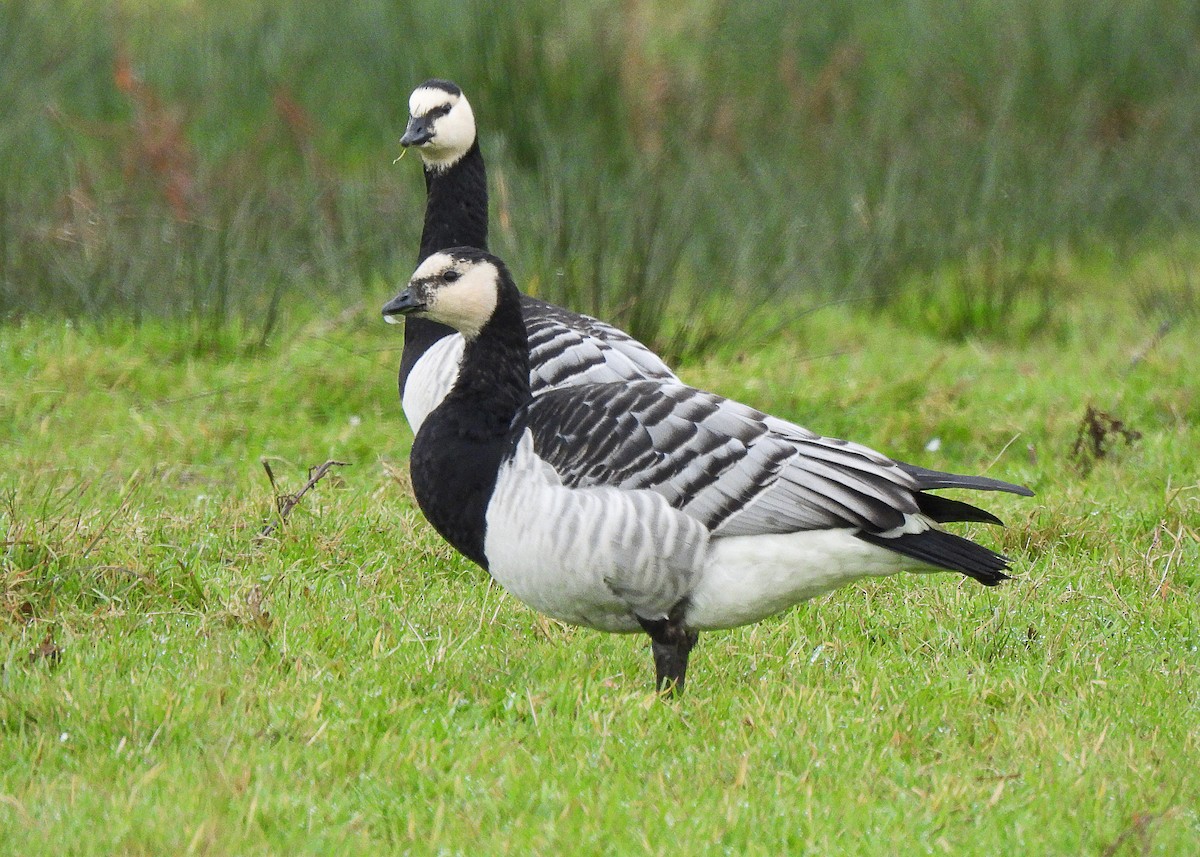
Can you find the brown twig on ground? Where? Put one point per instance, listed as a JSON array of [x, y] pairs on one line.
[[284, 503], [1097, 430]]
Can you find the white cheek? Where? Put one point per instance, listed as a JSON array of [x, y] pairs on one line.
[[468, 303], [453, 136]]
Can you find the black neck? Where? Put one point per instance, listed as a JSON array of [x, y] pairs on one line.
[[464, 441], [456, 215], [493, 377]]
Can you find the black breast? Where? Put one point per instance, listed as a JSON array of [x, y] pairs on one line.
[[453, 474]]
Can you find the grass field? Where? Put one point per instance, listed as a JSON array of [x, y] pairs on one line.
[[172, 684]]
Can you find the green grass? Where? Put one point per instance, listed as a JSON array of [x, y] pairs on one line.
[[351, 686]]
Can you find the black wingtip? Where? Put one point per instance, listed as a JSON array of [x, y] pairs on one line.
[[928, 479], [945, 511]]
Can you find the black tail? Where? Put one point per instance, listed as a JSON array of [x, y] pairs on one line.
[[946, 550]]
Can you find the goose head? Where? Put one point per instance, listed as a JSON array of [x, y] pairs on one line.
[[460, 288], [441, 124]]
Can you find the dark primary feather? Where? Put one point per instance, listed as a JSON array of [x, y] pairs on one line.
[[928, 479], [945, 511]]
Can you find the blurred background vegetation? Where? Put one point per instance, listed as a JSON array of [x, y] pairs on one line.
[[222, 160]]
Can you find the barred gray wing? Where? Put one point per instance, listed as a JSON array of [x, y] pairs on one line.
[[735, 469]]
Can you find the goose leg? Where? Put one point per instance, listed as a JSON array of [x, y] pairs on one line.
[[671, 642]]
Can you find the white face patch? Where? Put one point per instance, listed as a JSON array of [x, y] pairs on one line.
[[465, 303], [453, 133]]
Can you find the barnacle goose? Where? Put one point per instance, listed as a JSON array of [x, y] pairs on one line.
[[650, 505], [566, 348]]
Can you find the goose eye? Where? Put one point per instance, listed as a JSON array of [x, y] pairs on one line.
[[450, 276]]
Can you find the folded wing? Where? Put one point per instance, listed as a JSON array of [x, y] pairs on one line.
[[735, 469]]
